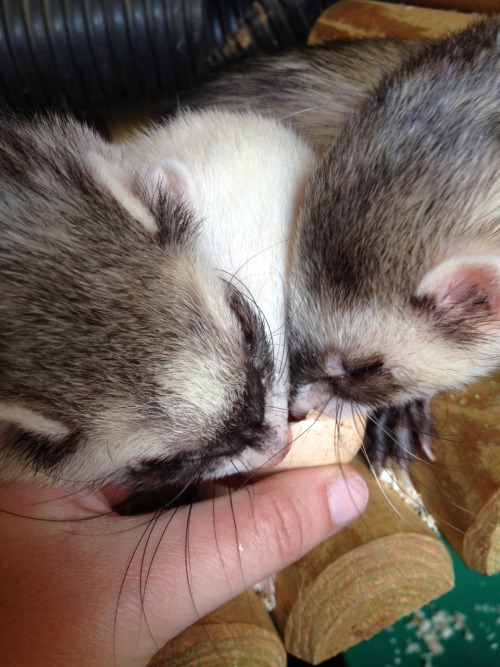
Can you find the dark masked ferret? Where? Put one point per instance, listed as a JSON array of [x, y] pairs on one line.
[[312, 89], [397, 280], [139, 341]]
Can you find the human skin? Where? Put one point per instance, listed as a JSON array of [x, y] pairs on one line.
[[72, 575]]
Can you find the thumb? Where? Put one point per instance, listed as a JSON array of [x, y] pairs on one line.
[[206, 554], [114, 589]]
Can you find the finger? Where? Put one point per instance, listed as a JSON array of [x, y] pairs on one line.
[[209, 553], [134, 582]]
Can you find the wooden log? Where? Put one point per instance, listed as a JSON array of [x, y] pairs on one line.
[[385, 565], [363, 18], [319, 440], [462, 486], [240, 632], [483, 6]]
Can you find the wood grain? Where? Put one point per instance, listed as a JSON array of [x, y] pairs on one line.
[[461, 487], [239, 633], [373, 572], [362, 18]]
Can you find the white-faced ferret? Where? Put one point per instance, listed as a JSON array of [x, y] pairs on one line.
[[397, 280], [314, 89], [142, 315]]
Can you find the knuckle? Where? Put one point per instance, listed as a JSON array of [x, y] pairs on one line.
[[285, 520]]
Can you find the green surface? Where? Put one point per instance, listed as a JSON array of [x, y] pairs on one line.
[[465, 623]]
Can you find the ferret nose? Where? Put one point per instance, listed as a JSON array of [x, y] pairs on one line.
[[335, 367]]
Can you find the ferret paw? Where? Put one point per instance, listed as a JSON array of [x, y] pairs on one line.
[[399, 433]]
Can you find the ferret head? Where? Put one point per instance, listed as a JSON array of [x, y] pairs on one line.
[[365, 355], [123, 355], [396, 292]]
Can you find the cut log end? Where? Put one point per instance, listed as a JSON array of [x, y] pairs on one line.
[[238, 633], [400, 573]]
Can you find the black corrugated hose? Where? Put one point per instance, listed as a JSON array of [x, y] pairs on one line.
[[94, 54]]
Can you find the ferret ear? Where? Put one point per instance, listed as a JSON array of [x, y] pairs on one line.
[[465, 288], [114, 177], [173, 176], [31, 420]]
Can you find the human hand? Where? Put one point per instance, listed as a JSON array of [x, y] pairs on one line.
[[83, 586]]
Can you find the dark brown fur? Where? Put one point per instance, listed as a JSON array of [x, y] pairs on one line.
[[105, 308], [312, 89], [410, 184], [391, 199]]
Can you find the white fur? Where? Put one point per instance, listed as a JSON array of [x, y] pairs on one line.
[[244, 175], [114, 178], [31, 420], [444, 280], [423, 362]]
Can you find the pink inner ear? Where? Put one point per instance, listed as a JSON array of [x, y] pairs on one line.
[[175, 177], [472, 291]]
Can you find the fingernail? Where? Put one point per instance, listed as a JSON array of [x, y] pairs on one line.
[[348, 496]]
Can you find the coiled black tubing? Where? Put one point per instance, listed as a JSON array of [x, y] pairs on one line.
[[96, 54]]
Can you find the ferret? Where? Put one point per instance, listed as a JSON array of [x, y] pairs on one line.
[[395, 282], [142, 322], [397, 267], [312, 89]]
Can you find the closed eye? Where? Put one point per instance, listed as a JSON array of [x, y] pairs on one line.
[[250, 324], [366, 370], [258, 345]]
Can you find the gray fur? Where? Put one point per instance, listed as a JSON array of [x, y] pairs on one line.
[[123, 354], [398, 259], [409, 184], [312, 89]]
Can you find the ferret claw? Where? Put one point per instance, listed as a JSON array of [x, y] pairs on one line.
[[400, 433]]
